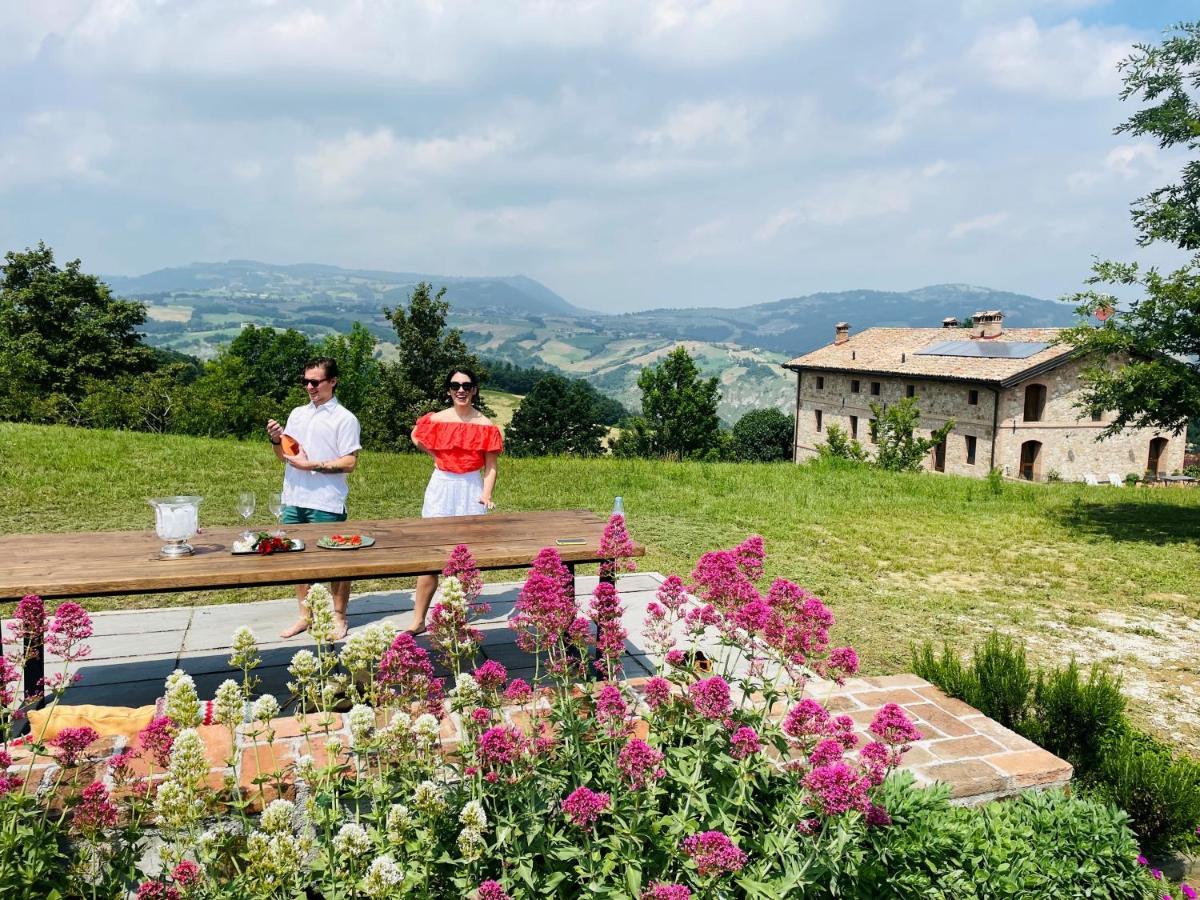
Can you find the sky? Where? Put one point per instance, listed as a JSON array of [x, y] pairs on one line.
[[628, 154]]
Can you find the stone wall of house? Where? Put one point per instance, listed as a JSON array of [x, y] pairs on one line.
[[1068, 443], [1069, 446]]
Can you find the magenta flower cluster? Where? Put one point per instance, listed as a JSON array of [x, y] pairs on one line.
[[544, 614], [710, 697], [714, 853], [640, 764], [584, 806], [491, 890], [744, 742], [71, 742], [67, 630], [616, 547], [462, 565], [610, 634], [406, 673], [95, 810], [664, 891]]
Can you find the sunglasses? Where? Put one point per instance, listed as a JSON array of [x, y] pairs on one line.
[[312, 382], [461, 385]]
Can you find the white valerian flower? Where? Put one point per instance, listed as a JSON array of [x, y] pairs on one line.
[[471, 844], [426, 730], [183, 705], [363, 650], [320, 614], [362, 723], [400, 823], [277, 817], [304, 665], [382, 877], [265, 708], [307, 767], [401, 720], [188, 764], [473, 816], [466, 692], [229, 704], [429, 798], [452, 595], [352, 841], [245, 649], [176, 807]]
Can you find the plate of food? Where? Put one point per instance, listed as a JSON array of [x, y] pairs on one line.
[[345, 541], [264, 544]]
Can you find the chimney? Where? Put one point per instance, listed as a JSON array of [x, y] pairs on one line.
[[949, 322], [987, 324], [841, 332]]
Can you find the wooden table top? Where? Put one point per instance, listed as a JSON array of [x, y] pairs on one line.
[[95, 564]]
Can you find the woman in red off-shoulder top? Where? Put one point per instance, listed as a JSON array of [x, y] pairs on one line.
[[464, 445]]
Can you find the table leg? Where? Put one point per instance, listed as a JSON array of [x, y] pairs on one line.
[[35, 667]]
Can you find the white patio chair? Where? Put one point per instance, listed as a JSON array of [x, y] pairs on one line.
[[1115, 480], [1089, 478]]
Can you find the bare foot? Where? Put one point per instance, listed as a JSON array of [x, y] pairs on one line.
[[415, 631], [300, 627], [340, 627]]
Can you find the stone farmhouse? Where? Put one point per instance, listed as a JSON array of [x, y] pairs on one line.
[[1011, 394]]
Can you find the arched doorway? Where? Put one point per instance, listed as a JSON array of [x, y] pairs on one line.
[[1158, 449], [1031, 460]]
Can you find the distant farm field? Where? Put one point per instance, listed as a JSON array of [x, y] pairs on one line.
[[1101, 572]]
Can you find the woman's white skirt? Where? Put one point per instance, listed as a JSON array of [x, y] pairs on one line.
[[452, 494]]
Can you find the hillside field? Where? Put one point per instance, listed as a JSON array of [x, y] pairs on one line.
[[1101, 572]]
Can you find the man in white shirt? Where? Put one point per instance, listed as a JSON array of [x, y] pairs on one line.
[[314, 480]]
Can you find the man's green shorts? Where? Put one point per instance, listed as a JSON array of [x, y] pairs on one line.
[[302, 515]]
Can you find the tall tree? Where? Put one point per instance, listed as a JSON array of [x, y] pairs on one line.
[[411, 385], [556, 418], [679, 412], [59, 328], [893, 430], [357, 366], [274, 359], [1158, 337]]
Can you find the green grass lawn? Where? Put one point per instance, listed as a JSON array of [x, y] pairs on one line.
[[1103, 572]]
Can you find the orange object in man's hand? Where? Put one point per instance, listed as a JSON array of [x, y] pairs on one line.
[[289, 445]]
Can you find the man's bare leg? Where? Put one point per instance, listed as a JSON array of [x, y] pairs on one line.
[[341, 602], [301, 624], [422, 597]]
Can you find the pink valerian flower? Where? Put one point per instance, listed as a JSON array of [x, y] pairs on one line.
[[753, 616], [67, 630], [491, 676], [610, 634], [119, 765], [719, 580], [750, 555], [806, 720], [450, 632], [406, 674], [800, 626], [656, 691], [518, 691], [545, 609], [827, 751], [877, 816], [673, 594], [462, 566], [840, 665], [157, 890], [640, 764], [676, 658], [837, 788], [584, 806], [10, 677], [698, 618], [892, 725], [744, 743], [616, 548], [501, 746], [710, 697], [876, 759], [714, 853], [28, 624], [611, 709], [808, 826], [1188, 891], [657, 628], [842, 730], [661, 890], [157, 739], [95, 810], [491, 890], [71, 742], [481, 716]]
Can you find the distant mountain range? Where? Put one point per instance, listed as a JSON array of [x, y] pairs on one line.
[[197, 308]]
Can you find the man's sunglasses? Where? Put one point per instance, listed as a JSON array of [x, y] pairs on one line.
[[461, 385], [311, 382]]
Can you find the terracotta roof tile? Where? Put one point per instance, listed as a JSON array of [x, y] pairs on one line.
[[894, 351]]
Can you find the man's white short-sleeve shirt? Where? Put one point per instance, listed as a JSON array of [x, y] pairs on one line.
[[325, 432]]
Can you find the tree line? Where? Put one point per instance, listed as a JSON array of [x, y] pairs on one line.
[[72, 353]]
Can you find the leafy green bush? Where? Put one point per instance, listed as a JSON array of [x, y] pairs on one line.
[[1038, 845], [763, 435], [997, 683], [840, 445], [1071, 717], [1160, 791]]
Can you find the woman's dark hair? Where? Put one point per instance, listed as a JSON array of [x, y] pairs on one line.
[[465, 371]]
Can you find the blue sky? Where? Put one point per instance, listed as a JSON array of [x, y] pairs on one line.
[[628, 154]]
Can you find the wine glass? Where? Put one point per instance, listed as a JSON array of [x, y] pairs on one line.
[[245, 508], [275, 505]]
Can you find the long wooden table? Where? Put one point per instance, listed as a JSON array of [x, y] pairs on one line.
[[95, 564]]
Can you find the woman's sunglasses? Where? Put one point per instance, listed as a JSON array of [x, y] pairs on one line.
[[461, 385]]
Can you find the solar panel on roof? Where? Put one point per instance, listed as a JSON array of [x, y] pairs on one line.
[[985, 349]]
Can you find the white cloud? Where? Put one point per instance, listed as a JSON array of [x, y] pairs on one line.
[[695, 125], [1065, 61], [58, 146], [987, 222], [1141, 163]]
